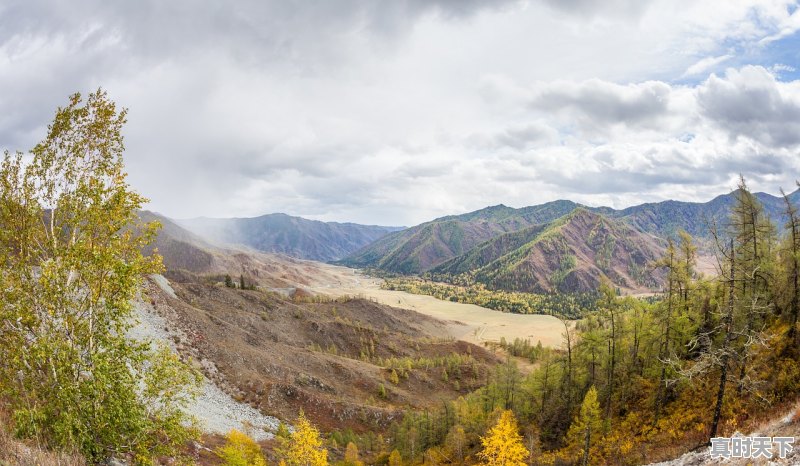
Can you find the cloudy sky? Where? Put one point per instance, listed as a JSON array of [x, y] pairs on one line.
[[395, 112]]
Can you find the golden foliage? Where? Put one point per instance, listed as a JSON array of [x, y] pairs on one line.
[[304, 447], [395, 459], [240, 450], [503, 446]]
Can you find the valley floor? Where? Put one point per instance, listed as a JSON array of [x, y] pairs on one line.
[[467, 322]]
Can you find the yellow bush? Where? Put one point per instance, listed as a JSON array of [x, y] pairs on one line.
[[240, 450]]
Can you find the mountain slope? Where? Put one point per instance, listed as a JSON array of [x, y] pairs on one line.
[[425, 246], [331, 358], [572, 254], [293, 236], [179, 248], [183, 250], [489, 251], [432, 244]]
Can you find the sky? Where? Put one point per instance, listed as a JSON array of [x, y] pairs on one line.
[[397, 112]]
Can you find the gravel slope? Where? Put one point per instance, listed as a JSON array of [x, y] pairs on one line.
[[215, 410]]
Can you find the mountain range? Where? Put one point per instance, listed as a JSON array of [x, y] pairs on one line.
[[556, 246], [294, 236]]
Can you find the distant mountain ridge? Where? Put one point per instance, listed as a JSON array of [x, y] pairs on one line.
[[504, 247], [667, 217], [294, 236]]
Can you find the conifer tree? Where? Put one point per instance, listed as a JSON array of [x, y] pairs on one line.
[[304, 447], [395, 459], [455, 443], [587, 425], [351, 455], [791, 263], [502, 445]]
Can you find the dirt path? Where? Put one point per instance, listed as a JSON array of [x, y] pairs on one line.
[[467, 322]]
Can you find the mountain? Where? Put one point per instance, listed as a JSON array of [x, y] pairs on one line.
[[572, 254], [666, 218], [178, 247], [499, 245], [425, 246], [293, 236], [183, 250]]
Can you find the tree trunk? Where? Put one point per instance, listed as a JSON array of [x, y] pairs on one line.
[[723, 378]]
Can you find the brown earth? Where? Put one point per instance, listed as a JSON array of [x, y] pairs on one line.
[[327, 358]]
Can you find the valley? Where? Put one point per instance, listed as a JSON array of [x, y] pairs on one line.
[[466, 322]]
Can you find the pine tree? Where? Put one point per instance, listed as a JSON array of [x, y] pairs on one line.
[[228, 281], [502, 445], [241, 282]]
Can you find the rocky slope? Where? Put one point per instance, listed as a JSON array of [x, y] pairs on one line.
[[787, 425]]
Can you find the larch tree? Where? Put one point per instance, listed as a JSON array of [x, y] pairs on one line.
[[395, 459], [351, 457], [587, 425], [456, 443], [791, 264], [240, 450], [304, 447], [503, 445], [71, 264], [753, 235], [665, 317]]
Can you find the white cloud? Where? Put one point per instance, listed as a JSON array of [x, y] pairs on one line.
[[705, 64], [397, 112]]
